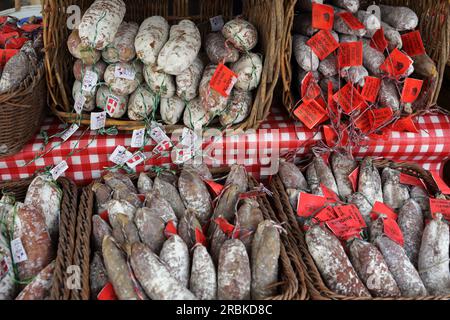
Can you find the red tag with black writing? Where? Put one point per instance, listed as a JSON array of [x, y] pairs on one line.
[[371, 89], [323, 44], [170, 229], [350, 54], [104, 215], [214, 187], [6, 54], [351, 21], [364, 122], [381, 116], [331, 136], [15, 43], [410, 180], [411, 90], [226, 227], [405, 124], [310, 113], [379, 208], [396, 64], [310, 89], [326, 214], [331, 103], [413, 44], [379, 41], [351, 216], [308, 204], [107, 293], [393, 232], [349, 98], [440, 206], [329, 194], [200, 237], [322, 16], [443, 187], [353, 177], [223, 80]]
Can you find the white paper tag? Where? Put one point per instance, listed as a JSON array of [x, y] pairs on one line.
[[136, 159], [216, 23], [89, 81], [137, 141], [112, 103], [98, 120], [188, 137], [158, 134], [183, 154], [18, 251], [120, 155], [375, 10], [79, 103], [69, 132], [124, 73], [59, 169]]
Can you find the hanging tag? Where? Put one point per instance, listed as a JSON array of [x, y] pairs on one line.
[[396, 64], [393, 232], [381, 116], [350, 54], [351, 216], [120, 155], [107, 293], [216, 23], [413, 44], [378, 41], [216, 188], [189, 138], [443, 188], [329, 194], [326, 214], [323, 44], [89, 81], [440, 206], [308, 204], [69, 132], [135, 160], [330, 136], [349, 98], [79, 103], [351, 21], [353, 177], [200, 237], [137, 140], [158, 134], [112, 103], [223, 80], [364, 122], [59, 169], [170, 229], [18, 251], [379, 208], [322, 16], [411, 90], [411, 181], [98, 120], [405, 124], [310, 113], [226, 227], [105, 216], [375, 10], [371, 89], [124, 73], [309, 87]]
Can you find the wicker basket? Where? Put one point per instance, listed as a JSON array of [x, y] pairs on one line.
[[434, 27], [316, 286], [66, 243], [266, 15], [289, 288], [21, 113]]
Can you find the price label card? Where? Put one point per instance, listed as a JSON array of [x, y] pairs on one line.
[[329, 194], [89, 81], [18, 251], [349, 98], [379, 41], [411, 90], [98, 120], [371, 89], [158, 134], [411, 181], [59, 169], [326, 214], [322, 16], [405, 124], [136, 160], [382, 209], [413, 44], [124, 73], [79, 103], [107, 293], [396, 64], [112, 103], [181, 155], [309, 204], [223, 80], [216, 23], [309, 87], [120, 155], [440, 206], [200, 237], [393, 231], [310, 113], [226, 227], [170, 229], [381, 116], [162, 146], [351, 21], [137, 140], [69, 132], [350, 54], [188, 137], [323, 44]]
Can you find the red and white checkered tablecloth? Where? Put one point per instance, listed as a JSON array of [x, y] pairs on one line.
[[256, 149]]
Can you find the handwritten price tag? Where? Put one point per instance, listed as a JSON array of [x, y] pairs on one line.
[[350, 54], [124, 73], [323, 44], [411, 90], [58, 170], [89, 81], [223, 80], [137, 140], [18, 251], [79, 103], [120, 155], [413, 44], [371, 89], [98, 120], [73, 128], [322, 16], [310, 113], [349, 98]]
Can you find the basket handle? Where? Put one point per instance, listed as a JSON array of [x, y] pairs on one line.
[[18, 4]]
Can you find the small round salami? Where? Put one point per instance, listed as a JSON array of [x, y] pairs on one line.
[[115, 105], [241, 33], [249, 70]]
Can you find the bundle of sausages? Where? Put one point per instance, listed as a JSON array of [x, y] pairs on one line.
[[369, 234], [124, 68], [170, 238]]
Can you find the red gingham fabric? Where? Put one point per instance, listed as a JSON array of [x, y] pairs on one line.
[[430, 148]]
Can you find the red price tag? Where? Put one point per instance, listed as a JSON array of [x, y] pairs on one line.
[[223, 80], [393, 232], [308, 204], [396, 64], [200, 237], [351, 21], [226, 227], [104, 215], [351, 216], [310, 113], [5, 37], [364, 122], [216, 188], [405, 124], [440, 206], [413, 44], [411, 90], [329, 194], [6, 54], [323, 44], [170, 229], [349, 98], [107, 293], [371, 89], [410, 180], [380, 208], [379, 41], [322, 16], [440, 183], [350, 54], [310, 89], [15, 43], [326, 214], [381, 116], [353, 177], [30, 27]]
